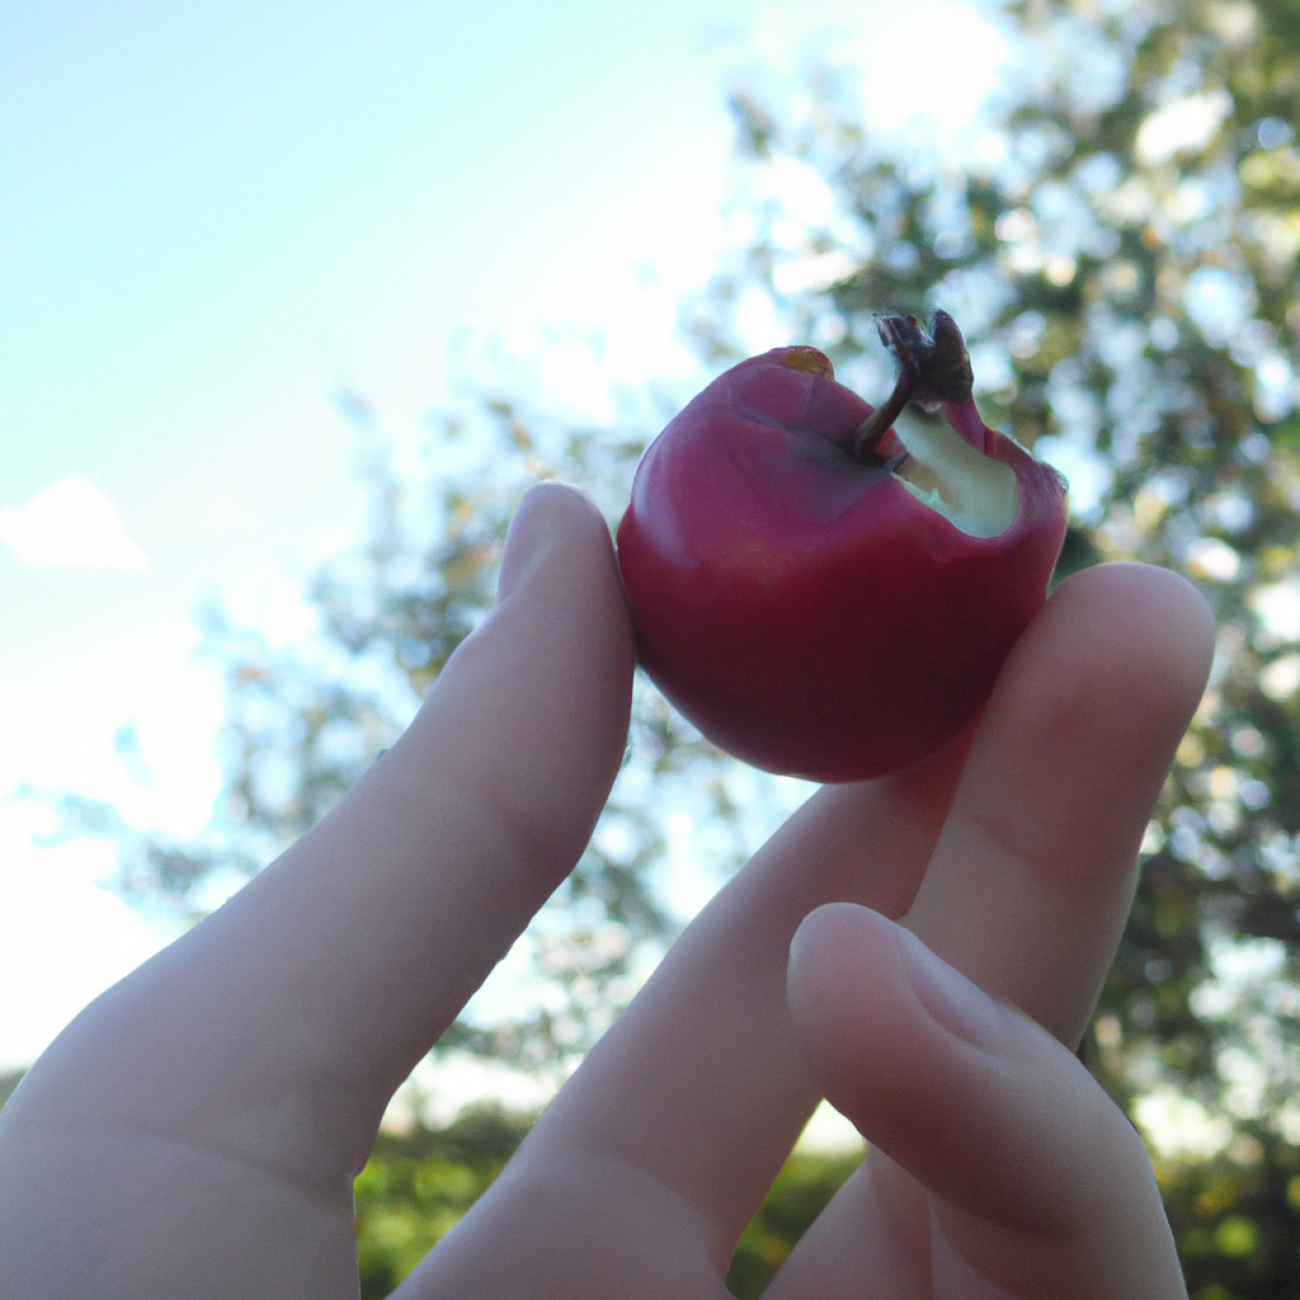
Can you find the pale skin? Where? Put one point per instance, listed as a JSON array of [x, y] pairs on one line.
[[195, 1132]]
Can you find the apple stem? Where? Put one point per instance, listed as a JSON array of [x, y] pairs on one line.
[[934, 370], [867, 436]]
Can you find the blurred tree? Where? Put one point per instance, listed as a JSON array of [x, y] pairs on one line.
[[1122, 251], [422, 1179], [1120, 245], [417, 1186], [802, 1190]]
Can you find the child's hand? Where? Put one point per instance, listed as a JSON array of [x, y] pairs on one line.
[[195, 1131]]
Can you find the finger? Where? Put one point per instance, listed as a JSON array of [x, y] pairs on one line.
[[691, 1102], [1032, 878], [702, 1083], [332, 973], [1040, 1186]]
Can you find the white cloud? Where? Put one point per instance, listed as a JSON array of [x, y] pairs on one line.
[[70, 525], [64, 938]]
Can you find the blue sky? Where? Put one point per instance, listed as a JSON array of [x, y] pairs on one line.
[[211, 217]]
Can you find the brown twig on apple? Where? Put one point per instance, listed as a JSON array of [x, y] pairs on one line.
[[934, 369]]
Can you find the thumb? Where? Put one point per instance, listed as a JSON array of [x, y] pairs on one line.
[[1036, 1177]]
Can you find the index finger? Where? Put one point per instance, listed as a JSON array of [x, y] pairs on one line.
[[327, 977]]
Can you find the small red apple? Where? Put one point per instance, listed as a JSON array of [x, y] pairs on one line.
[[823, 595]]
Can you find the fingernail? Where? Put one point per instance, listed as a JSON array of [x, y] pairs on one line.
[[958, 1004]]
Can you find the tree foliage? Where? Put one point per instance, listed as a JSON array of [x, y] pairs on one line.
[[419, 1183], [1121, 248], [1123, 255]]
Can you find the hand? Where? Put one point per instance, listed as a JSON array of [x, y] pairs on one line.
[[196, 1130]]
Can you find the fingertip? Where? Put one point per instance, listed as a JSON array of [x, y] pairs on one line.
[[848, 996], [1089, 711], [875, 1007], [817, 951], [829, 937], [531, 710], [551, 515], [963, 1091], [820, 923], [561, 597], [1155, 620]]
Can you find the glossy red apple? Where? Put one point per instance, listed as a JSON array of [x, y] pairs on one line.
[[822, 594]]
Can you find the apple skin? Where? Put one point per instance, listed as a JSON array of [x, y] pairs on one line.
[[803, 609]]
